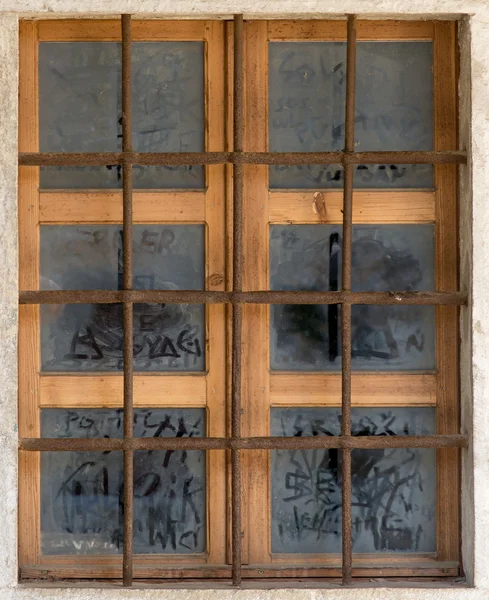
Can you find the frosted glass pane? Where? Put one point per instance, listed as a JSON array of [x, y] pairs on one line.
[[82, 498], [393, 491], [80, 337], [80, 109], [384, 258], [394, 109]]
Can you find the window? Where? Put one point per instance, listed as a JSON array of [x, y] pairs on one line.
[[239, 298]]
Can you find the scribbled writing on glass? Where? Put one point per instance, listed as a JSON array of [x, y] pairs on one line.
[[80, 109], [82, 492], [394, 109], [393, 491], [89, 337]]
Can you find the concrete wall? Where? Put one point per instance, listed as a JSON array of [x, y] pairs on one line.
[[474, 223]]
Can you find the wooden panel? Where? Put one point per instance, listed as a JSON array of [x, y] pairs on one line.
[[147, 561], [410, 568], [106, 207], [109, 30], [331, 31], [446, 276], [255, 348], [361, 560], [336, 30], [160, 31], [395, 30], [399, 206], [91, 391], [29, 342], [80, 30], [368, 389], [215, 216]]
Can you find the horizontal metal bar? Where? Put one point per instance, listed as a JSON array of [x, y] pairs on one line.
[[345, 157], [418, 157], [259, 297], [249, 443], [79, 159]]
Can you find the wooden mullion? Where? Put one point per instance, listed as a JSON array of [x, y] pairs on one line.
[[255, 355], [109, 30], [216, 281], [360, 560], [446, 261], [69, 207], [369, 206], [335, 30], [285, 206], [29, 316], [368, 389], [105, 390], [114, 561]]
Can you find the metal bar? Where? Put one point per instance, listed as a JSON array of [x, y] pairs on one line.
[[257, 297], [127, 567], [238, 139], [347, 542], [417, 157], [121, 158], [243, 443], [346, 550], [43, 159]]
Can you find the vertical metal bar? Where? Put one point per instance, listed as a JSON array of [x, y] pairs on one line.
[[238, 135], [127, 307], [346, 308]]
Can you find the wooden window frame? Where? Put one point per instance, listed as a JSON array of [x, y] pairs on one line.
[[39, 207], [259, 388]]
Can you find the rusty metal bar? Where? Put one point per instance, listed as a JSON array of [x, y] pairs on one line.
[[122, 158], [346, 549], [127, 567], [32, 159], [415, 157], [243, 443], [238, 139], [257, 297]]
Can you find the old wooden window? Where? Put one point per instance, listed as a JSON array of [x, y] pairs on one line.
[[239, 290]]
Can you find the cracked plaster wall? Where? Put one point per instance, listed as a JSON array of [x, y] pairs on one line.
[[474, 246]]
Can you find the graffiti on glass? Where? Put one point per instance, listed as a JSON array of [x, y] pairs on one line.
[[393, 491], [90, 337], [82, 503]]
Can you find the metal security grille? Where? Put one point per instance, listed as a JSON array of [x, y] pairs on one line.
[[127, 296]]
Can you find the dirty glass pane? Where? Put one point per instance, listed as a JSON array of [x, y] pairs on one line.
[[384, 258], [393, 491], [394, 109], [81, 337], [80, 109], [82, 499]]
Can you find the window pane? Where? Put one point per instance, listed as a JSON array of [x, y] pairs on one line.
[[384, 258], [80, 109], [81, 337], [393, 491], [82, 499], [394, 109]]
